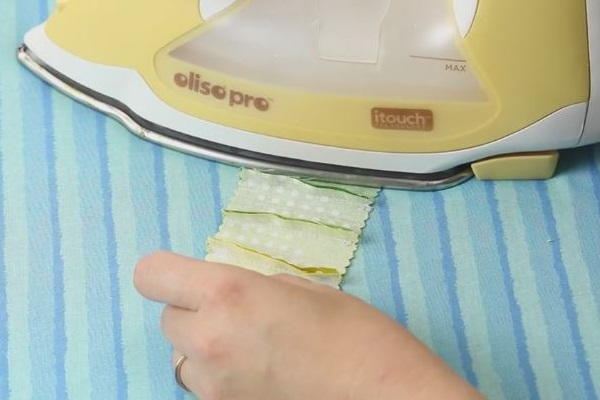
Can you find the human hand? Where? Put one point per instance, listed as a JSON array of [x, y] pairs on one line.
[[251, 337]]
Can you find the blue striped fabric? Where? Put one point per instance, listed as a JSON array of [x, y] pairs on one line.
[[501, 279]]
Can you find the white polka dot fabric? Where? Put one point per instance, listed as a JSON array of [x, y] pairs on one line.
[[292, 198], [278, 224]]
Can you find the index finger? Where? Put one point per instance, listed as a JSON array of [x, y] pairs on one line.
[[177, 280]]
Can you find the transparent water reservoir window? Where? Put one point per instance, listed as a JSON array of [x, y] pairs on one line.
[[404, 50]]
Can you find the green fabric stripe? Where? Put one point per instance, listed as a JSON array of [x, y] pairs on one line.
[[285, 218], [315, 270], [364, 192], [228, 253]]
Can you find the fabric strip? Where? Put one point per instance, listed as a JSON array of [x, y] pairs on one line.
[[279, 224]]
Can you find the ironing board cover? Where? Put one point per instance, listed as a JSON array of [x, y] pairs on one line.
[[501, 279]]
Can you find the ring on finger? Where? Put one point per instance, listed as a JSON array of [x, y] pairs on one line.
[[178, 365]]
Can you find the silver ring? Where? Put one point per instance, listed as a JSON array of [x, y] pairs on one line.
[[180, 361]]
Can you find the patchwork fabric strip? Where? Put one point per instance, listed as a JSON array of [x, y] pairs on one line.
[[303, 227]]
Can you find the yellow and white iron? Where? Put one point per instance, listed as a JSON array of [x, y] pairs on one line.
[[415, 94]]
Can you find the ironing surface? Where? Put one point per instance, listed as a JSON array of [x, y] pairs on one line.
[[501, 279]]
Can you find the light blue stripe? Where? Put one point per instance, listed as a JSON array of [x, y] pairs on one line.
[[163, 222], [372, 257], [73, 250], [46, 285], [566, 293], [135, 341], [100, 328], [3, 281], [470, 279], [144, 166], [595, 172], [111, 258], [216, 191], [427, 237], [355, 280], [450, 273], [413, 291], [16, 250], [186, 203], [161, 197], [520, 341], [523, 277], [60, 337], [41, 305], [228, 180], [360, 273], [569, 195], [588, 218], [205, 201], [495, 287], [46, 266], [178, 188], [392, 260], [548, 288]]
